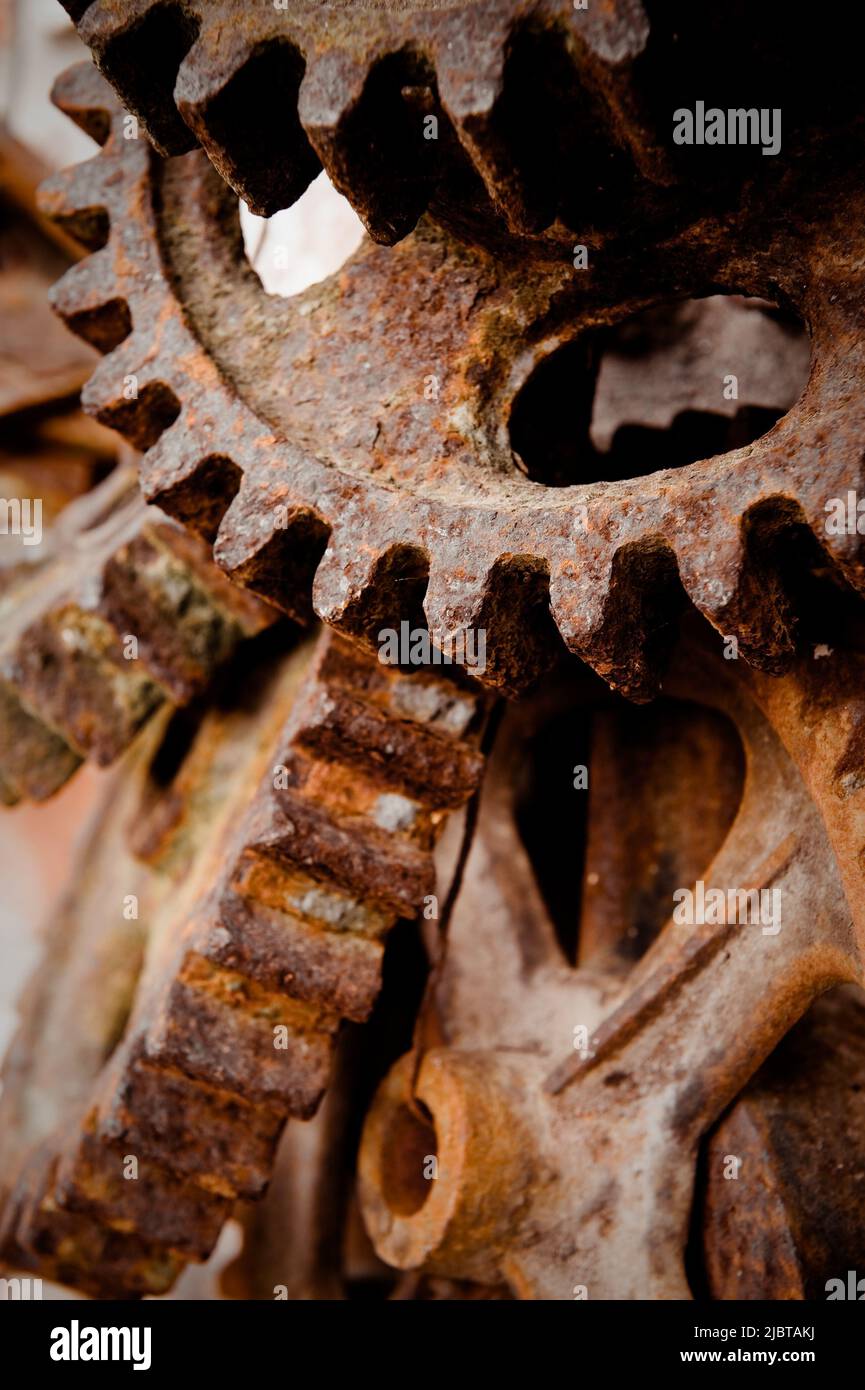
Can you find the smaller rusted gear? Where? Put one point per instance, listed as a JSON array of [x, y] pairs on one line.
[[272, 846], [300, 436], [548, 115], [567, 1108], [120, 610]]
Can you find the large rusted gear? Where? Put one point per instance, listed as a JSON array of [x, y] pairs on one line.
[[268, 851], [574, 1175], [298, 434]]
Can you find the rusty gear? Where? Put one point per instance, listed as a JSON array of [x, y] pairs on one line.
[[298, 434], [385, 445], [264, 912]]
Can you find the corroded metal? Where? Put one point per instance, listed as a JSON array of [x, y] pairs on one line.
[[548, 116], [783, 1213], [273, 94]]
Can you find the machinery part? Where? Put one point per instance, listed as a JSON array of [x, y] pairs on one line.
[[786, 1217], [574, 1178], [298, 435], [120, 610], [503, 116], [282, 850]]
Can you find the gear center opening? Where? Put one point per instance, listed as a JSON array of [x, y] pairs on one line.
[[667, 387]]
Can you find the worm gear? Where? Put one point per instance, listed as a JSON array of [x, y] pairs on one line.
[[266, 852], [357, 441]]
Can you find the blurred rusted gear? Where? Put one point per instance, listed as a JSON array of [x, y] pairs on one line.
[[111, 570], [269, 856], [297, 432], [576, 1177]]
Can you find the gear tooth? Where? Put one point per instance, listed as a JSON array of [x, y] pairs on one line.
[[346, 571], [369, 139], [195, 488], [36, 761], [243, 108], [495, 620], [749, 595], [576, 120], [126, 394], [578, 595], [104, 389], [139, 47], [711, 568], [623, 622], [82, 94], [274, 551], [80, 299], [476, 95], [739, 590], [611, 39], [364, 585], [453, 603], [237, 1016], [71, 198], [162, 1208]]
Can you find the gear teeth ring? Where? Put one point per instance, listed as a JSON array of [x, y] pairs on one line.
[[265, 913], [318, 475]]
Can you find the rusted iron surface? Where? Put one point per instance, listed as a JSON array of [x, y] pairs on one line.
[[289, 838], [112, 572], [321, 468], [564, 1169]]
